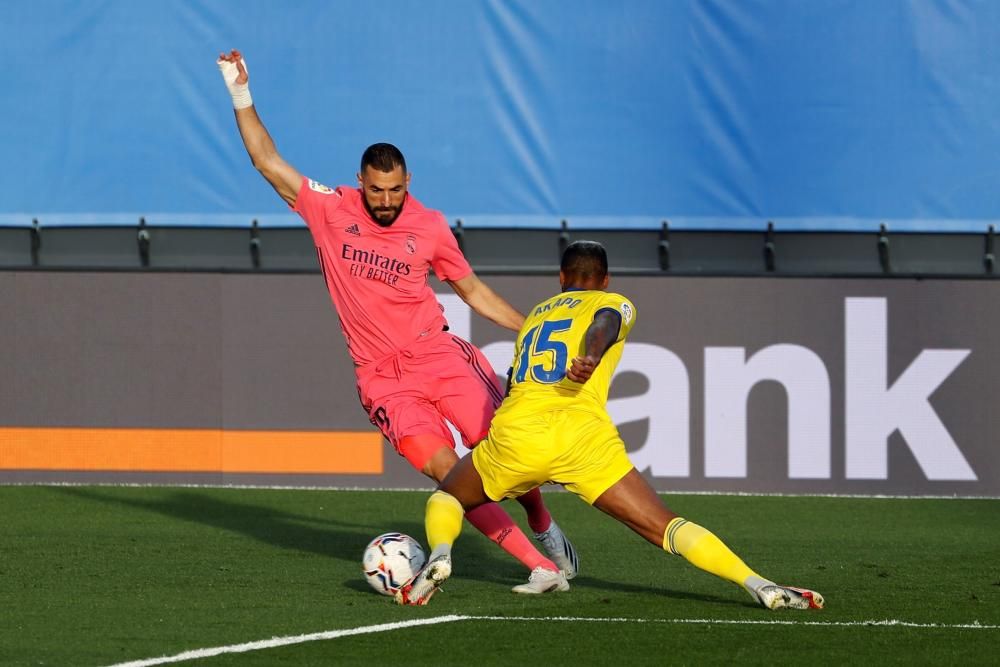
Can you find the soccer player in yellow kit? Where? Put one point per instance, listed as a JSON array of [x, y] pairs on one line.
[[554, 427]]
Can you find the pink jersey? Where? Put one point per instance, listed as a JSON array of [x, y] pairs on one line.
[[377, 276]]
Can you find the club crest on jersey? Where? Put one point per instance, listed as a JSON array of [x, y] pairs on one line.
[[316, 186], [411, 243], [626, 312]]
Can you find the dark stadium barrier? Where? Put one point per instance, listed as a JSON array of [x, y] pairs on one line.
[[665, 251], [797, 385]]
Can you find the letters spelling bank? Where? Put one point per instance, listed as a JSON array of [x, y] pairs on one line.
[[874, 408]]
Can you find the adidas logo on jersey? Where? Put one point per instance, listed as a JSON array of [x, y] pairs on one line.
[[353, 229]]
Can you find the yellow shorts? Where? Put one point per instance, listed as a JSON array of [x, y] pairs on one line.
[[579, 450]]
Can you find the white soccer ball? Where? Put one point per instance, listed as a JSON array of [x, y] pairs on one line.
[[391, 560]]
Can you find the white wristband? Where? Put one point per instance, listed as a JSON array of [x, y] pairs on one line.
[[240, 92]]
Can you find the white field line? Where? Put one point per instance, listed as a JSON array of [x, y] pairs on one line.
[[975, 625], [276, 642]]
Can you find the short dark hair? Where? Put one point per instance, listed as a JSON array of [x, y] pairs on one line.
[[585, 259], [383, 157]]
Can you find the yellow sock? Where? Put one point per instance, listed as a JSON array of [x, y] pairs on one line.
[[704, 550], [443, 521]]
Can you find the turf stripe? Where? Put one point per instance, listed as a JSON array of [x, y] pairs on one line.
[[276, 642]]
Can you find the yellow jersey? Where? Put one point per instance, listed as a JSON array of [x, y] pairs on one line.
[[552, 335]]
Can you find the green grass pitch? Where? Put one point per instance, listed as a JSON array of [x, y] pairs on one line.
[[104, 575]]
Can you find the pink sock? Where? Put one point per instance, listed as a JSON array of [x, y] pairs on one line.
[[538, 516], [494, 523]]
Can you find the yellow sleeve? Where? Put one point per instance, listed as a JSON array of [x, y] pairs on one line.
[[624, 308]]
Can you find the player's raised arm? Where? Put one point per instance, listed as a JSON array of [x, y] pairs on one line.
[[601, 334], [486, 302], [282, 176]]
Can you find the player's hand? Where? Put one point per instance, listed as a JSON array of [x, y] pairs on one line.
[[234, 73], [581, 368], [238, 76]]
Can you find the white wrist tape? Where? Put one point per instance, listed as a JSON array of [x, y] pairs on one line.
[[240, 92]]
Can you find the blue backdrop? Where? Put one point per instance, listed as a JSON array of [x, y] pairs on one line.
[[830, 114]]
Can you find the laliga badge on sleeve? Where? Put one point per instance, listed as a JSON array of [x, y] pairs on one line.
[[626, 312], [320, 188]]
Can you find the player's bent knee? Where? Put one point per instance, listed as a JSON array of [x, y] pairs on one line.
[[432, 455], [440, 464]]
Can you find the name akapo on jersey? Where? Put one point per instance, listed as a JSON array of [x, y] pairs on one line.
[[566, 301], [373, 266]]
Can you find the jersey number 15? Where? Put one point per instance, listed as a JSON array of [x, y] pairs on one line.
[[537, 348]]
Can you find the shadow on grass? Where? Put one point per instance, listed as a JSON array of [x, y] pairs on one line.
[[344, 539], [619, 587], [331, 537]]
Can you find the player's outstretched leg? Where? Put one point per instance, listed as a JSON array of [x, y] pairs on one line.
[[633, 501], [700, 547], [493, 522]]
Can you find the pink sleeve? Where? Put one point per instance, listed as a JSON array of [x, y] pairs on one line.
[[448, 262], [314, 200]]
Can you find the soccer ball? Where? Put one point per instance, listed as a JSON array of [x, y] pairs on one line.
[[391, 560]]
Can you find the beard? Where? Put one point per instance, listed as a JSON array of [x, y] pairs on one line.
[[383, 215]]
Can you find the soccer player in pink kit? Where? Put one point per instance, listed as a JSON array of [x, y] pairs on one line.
[[376, 245]]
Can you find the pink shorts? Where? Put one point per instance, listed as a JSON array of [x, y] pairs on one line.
[[411, 393]]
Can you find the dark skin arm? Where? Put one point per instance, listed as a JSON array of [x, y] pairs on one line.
[[601, 335]]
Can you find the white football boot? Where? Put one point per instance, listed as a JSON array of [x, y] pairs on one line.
[[774, 597], [543, 581], [419, 589]]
